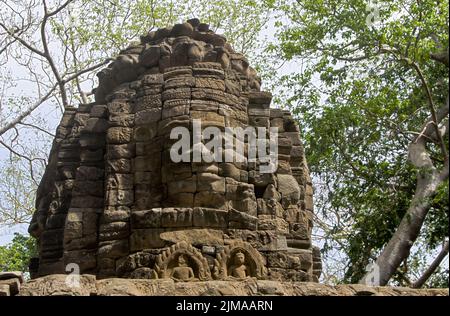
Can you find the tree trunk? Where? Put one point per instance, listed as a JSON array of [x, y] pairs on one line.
[[398, 248], [428, 180]]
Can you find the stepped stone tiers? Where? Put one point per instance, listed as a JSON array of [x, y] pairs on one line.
[[113, 202]]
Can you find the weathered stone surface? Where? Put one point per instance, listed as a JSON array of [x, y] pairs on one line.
[[194, 236], [147, 116], [113, 188], [119, 135], [150, 56], [120, 151], [5, 275], [84, 258], [120, 214], [210, 199], [55, 285], [207, 217], [288, 186], [241, 220], [113, 249], [114, 231], [117, 197], [13, 285], [146, 219], [4, 290], [176, 217], [146, 239]]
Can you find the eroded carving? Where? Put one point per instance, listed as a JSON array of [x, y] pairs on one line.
[[112, 191], [182, 262], [183, 272], [239, 260]]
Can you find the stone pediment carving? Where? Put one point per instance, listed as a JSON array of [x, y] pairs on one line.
[[182, 262], [239, 260]]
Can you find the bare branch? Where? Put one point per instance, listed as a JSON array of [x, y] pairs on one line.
[[93, 67], [37, 127], [21, 41], [425, 85], [57, 10], [30, 160], [24, 114], [433, 266], [47, 54]]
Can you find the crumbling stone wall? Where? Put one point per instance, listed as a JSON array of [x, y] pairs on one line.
[[113, 202]]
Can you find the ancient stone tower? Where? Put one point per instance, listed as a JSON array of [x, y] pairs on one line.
[[114, 202]]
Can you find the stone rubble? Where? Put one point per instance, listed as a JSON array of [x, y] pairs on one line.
[[10, 283]]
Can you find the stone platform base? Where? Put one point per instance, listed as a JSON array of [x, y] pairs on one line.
[[88, 285]]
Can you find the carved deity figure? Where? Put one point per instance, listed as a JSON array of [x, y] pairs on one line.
[[239, 270], [183, 272]]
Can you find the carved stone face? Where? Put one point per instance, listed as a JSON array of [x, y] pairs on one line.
[[186, 78], [182, 262], [239, 258]]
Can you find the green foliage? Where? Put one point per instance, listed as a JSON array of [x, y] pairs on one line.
[[439, 279], [16, 255], [359, 107]]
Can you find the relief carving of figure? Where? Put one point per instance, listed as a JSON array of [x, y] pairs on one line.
[[183, 272], [239, 270]]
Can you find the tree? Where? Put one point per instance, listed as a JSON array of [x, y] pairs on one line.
[[371, 93], [16, 255]]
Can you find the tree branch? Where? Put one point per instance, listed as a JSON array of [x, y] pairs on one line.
[[37, 127], [441, 57], [433, 266], [24, 114], [21, 41], [47, 54], [425, 85], [93, 67]]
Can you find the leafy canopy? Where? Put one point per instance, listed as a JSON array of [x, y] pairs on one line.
[[360, 103]]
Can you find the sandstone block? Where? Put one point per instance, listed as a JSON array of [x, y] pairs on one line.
[[179, 82], [119, 197], [241, 220], [113, 249], [146, 219], [147, 116], [150, 56], [120, 151], [207, 217], [118, 165], [141, 239], [196, 237], [176, 217], [210, 199], [277, 259], [179, 93], [119, 135]]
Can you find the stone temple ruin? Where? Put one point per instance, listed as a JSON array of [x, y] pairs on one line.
[[113, 202]]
